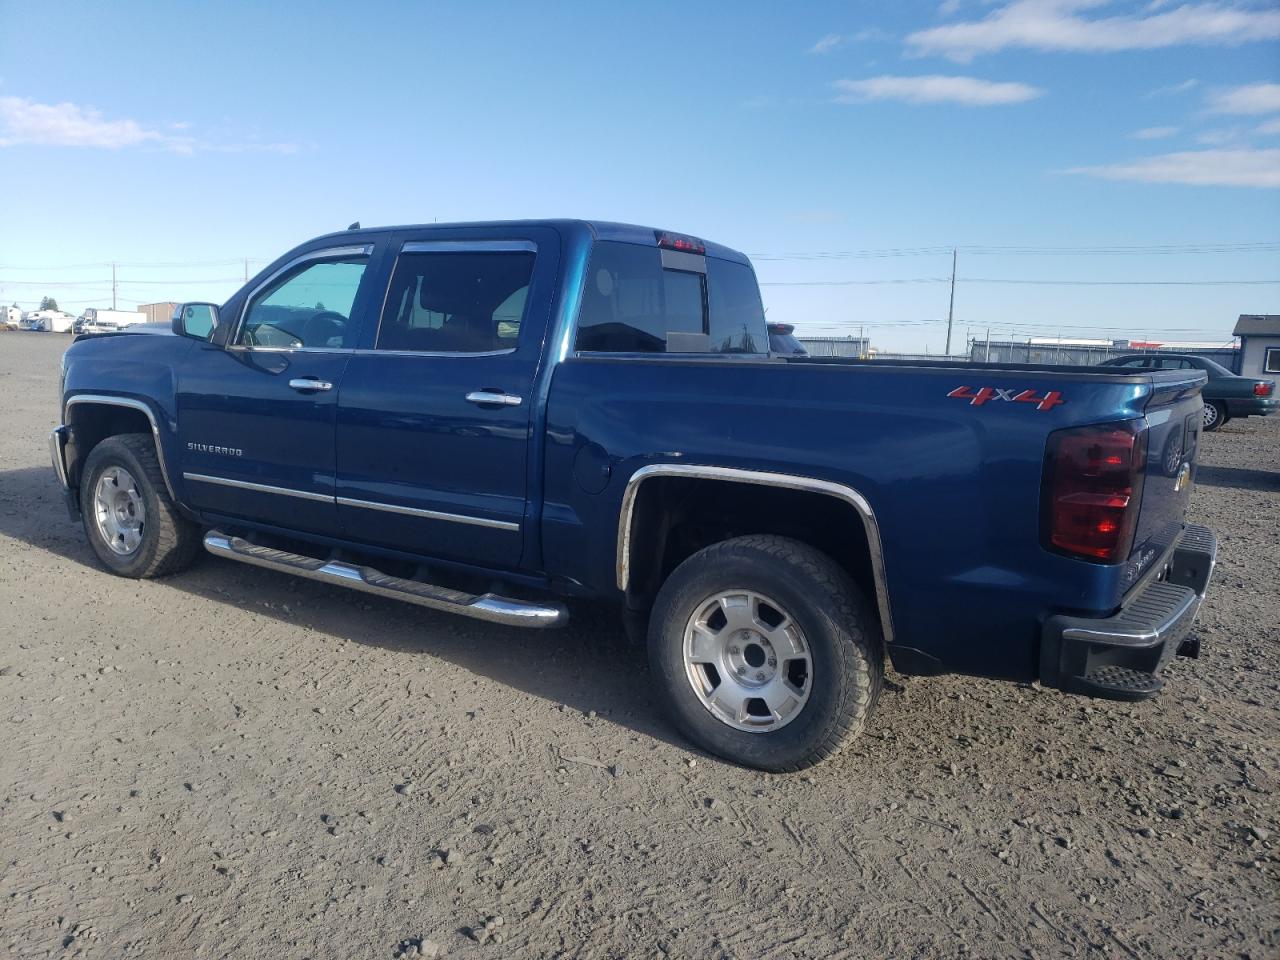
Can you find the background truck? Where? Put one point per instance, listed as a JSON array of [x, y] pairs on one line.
[[492, 418]]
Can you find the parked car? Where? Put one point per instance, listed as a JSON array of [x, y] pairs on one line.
[[109, 321], [783, 342], [491, 418], [1226, 395]]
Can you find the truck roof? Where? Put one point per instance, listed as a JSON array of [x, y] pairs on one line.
[[599, 230]]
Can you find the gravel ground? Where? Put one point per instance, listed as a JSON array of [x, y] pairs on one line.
[[234, 763]]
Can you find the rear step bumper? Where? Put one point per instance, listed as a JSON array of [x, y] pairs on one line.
[[494, 609], [1120, 657]]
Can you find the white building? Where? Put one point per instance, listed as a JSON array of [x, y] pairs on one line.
[[1259, 335]]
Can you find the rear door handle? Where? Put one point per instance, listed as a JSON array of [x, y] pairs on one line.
[[497, 397], [306, 384]]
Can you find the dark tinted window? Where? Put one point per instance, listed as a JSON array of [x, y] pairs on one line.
[[631, 304], [624, 301], [456, 302], [737, 315], [1133, 362]]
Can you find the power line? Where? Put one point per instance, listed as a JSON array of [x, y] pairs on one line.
[[1068, 283], [90, 283], [1265, 246], [138, 265]]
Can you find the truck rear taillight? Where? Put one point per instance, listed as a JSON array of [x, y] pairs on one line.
[[1263, 389], [1092, 490]]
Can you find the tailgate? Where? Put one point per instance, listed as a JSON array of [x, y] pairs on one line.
[[1174, 417]]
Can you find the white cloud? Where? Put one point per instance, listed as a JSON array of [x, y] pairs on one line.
[[1252, 98], [67, 125], [1269, 128], [24, 122], [1221, 137], [1062, 25], [1204, 168], [833, 40], [1153, 133], [1182, 87], [932, 88], [827, 43]]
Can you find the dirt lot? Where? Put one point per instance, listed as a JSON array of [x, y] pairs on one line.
[[233, 763]]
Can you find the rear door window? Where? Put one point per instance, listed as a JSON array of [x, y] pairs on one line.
[[456, 301]]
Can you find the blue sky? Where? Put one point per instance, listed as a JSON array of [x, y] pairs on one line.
[[195, 136]]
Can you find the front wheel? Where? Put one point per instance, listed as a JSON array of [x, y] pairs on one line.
[[132, 523], [1215, 415], [765, 652]]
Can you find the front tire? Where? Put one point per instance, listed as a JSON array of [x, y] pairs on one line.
[[130, 519], [765, 653]]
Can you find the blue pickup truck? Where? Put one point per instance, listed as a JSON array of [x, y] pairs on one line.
[[494, 418]]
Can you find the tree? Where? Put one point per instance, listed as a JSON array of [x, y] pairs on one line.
[[48, 303]]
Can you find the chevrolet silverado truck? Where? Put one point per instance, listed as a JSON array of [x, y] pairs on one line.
[[494, 418]]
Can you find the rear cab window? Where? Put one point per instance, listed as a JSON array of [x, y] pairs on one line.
[[644, 299]]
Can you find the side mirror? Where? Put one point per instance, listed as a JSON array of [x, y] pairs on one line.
[[195, 320]]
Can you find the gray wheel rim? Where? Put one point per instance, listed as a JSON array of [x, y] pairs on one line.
[[119, 510], [1210, 414], [747, 661]]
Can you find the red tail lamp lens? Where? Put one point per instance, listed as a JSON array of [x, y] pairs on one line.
[[1093, 483]]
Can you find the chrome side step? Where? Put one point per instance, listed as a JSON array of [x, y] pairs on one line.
[[514, 613]]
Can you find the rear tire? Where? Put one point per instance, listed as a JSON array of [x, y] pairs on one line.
[[765, 653], [1215, 415], [130, 519]]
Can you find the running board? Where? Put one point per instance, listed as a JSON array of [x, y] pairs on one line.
[[494, 609]]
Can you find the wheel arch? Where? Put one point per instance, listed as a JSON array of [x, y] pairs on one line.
[[656, 502], [95, 417]]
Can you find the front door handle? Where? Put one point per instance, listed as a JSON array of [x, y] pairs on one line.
[[497, 397], [307, 384]]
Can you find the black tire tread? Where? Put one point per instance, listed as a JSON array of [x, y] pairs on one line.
[[860, 677], [178, 539]]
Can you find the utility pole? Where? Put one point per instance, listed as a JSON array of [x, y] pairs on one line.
[[862, 343], [987, 357], [113, 286], [246, 269], [952, 305]]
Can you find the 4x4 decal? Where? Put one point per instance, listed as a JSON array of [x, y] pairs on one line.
[[980, 396]]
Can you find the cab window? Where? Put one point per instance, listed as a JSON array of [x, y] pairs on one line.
[[635, 302], [456, 302], [309, 307]]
